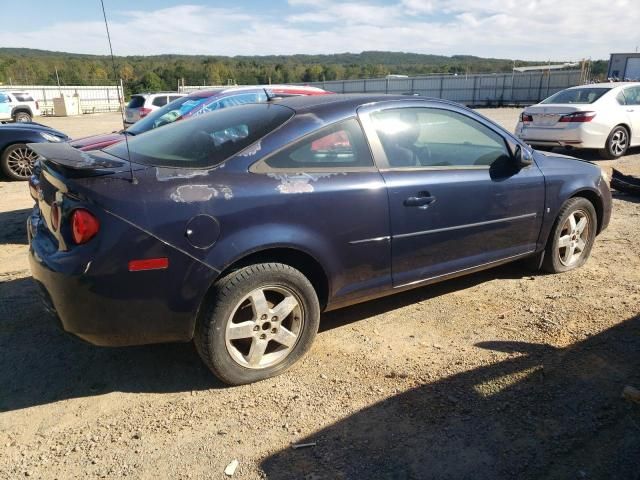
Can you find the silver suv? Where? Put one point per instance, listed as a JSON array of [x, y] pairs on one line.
[[142, 104]]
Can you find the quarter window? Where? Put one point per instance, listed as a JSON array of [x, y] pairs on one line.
[[338, 147], [430, 137], [160, 101], [4, 98], [620, 98]]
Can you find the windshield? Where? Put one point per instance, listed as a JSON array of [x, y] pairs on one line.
[[168, 114], [205, 140], [577, 95]]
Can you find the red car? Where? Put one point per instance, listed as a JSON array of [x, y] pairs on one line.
[[194, 104]]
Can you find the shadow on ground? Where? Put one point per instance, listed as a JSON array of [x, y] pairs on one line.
[[13, 226], [44, 365], [546, 414]]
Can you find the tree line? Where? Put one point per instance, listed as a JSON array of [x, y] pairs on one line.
[[164, 72]]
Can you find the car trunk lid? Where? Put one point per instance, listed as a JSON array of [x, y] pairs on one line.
[[66, 178], [554, 116]]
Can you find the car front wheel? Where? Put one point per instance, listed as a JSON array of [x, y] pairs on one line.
[[572, 237], [260, 321], [17, 162]]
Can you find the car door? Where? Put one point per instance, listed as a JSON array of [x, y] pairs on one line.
[[457, 200], [632, 107]]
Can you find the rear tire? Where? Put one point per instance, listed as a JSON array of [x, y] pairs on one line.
[[617, 143], [574, 232], [22, 117], [260, 321], [18, 161]]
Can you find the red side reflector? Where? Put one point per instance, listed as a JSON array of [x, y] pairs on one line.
[[525, 117], [148, 264]]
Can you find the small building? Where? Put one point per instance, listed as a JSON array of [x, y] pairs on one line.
[[624, 66]]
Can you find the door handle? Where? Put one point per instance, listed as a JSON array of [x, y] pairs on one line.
[[422, 201], [630, 110]]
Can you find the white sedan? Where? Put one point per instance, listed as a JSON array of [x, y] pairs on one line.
[[603, 116]]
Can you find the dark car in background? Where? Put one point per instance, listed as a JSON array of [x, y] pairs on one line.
[[237, 228], [196, 103], [17, 160]]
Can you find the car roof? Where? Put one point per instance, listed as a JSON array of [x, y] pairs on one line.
[[605, 85], [295, 89], [349, 100]]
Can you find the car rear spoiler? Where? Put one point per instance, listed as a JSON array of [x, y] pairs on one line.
[[65, 155]]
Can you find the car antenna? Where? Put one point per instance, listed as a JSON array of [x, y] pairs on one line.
[[134, 180]]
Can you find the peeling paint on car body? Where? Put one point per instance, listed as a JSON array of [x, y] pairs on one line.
[[200, 193], [299, 182]]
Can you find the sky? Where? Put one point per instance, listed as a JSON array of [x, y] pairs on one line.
[[557, 30]]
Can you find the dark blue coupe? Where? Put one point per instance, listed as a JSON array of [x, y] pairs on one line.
[[237, 228]]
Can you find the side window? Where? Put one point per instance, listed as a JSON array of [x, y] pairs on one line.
[[160, 101], [4, 98], [173, 97], [620, 98], [430, 137], [338, 147], [632, 95], [242, 99]]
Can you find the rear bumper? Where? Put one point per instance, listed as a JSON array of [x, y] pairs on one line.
[[111, 306], [576, 135]]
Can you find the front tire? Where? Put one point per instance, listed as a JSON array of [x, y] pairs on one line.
[[572, 237], [261, 320], [18, 161], [617, 143]]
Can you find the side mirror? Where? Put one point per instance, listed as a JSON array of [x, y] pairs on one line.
[[523, 157]]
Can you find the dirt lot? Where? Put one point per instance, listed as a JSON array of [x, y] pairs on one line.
[[497, 375]]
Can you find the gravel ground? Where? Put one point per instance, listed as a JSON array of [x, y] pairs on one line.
[[500, 374]]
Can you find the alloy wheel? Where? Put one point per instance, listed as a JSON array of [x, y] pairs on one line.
[[619, 142], [21, 161], [264, 327], [573, 238]]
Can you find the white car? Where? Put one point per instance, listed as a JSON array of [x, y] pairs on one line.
[[18, 107], [142, 104], [603, 116]]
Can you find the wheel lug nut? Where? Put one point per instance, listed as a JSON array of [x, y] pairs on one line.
[[263, 317], [256, 328], [274, 330], [274, 319], [263, 336]]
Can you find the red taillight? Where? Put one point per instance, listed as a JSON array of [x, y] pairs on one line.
[[84, 226], [578, 117], [525, 117], [149, 264], [144, 112], [55, 217]]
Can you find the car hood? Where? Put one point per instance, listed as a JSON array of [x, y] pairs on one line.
[[550, 160], [97, 142], [33, 126]]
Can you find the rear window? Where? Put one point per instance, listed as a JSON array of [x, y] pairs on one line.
[[23, 97], [136, 101], [205, 140], [168, 114], [577, 95]]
